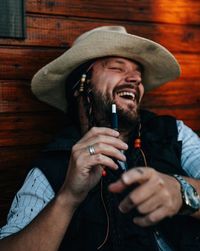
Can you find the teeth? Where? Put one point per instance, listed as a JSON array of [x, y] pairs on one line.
[[127, 94]]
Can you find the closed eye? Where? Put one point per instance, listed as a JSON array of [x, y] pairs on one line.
[[116, 69]]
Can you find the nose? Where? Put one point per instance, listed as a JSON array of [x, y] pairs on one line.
[[133, 78]]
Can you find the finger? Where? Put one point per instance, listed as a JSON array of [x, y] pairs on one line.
[[115, 142], [133, 176], [101, 148], [100, 139], [126, 205], [95, 131], [152, 218], [117, 187], [140, 195], [151, 204], [98, 148], [147, 189], [101, 160], [137, 175], [86, 161]]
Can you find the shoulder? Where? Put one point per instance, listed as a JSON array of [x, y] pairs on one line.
[[185, 133], [190, 157], [164, 126], [53, 165]]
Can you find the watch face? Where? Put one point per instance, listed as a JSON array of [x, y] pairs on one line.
[[192, 199]]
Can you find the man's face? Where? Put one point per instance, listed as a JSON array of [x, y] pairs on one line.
[[117, 80]]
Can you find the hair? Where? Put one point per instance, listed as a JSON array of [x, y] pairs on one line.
[[72, 84]]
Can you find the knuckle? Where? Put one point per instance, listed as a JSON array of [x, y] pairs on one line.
[[141, 210], [152, 171], [75, 156], [74, 148], [98, 157], [132, 199], [169, 202], [79, 162], [99, 145], [75, 152], [152, 218], [94, 130], [171, 205], [166, 195], [98, 138], [160, 182]]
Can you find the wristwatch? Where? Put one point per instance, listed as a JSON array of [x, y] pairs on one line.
[[190, 197]]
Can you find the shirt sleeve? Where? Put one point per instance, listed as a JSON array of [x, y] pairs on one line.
[[33, 196], [190, 157]]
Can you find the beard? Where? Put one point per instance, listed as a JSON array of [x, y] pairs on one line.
[[127, 119]]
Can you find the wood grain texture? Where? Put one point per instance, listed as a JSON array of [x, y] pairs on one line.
[[174, 94], [54, 31], [28, 129], [177, 11], [16, 96], [22, 63]]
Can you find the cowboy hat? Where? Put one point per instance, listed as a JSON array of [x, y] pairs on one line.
[[159, 65]]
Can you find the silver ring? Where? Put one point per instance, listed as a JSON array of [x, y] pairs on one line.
[[91, 150]]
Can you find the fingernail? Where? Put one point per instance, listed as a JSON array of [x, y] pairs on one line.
[[125, 146], [125, 179], [116, 166], [115, 133], [121, 209], [124, 157]]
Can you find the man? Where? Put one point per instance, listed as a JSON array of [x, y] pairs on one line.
[[103, 186]]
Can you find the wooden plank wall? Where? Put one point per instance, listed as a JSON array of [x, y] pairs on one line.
[[26, 124]]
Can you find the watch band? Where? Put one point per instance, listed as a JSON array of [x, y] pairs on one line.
[[190, 197]]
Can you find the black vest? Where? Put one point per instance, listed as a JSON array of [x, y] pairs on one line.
[[88, 227]]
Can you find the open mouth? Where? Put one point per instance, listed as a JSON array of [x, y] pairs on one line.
[[126, 95]]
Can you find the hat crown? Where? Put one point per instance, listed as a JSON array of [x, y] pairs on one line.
[[118, 29]]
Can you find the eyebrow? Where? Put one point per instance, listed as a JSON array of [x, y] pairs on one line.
[[119, 61], [114, 61]]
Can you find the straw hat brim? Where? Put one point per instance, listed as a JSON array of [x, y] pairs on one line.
[[159, 65]]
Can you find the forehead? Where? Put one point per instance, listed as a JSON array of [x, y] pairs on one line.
[[121, 61]]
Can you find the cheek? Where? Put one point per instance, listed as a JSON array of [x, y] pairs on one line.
[[96, 81], [141, 90], [102, 83]]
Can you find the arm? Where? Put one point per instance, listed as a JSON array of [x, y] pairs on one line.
[[46, 231], [31, 199], [158, 195]]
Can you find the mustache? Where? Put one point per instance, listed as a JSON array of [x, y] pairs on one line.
[[133, 86]]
